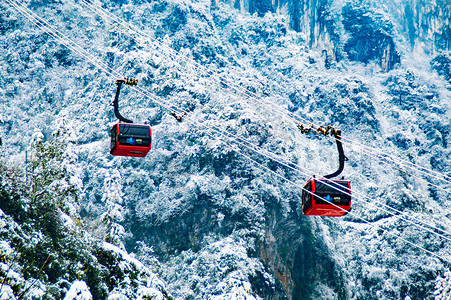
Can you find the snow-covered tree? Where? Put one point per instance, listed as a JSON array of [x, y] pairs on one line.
[[112, 198], [53, 178]]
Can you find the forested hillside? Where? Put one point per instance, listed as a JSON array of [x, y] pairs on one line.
[[214, 210]]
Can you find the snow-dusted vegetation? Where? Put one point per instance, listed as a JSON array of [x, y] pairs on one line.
[[205, 215]]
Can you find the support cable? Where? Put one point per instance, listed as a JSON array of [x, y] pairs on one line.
[[295, 118], [62, 38], [167, 106]]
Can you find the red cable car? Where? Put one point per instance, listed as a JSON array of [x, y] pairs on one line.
[[128, 139], [327, 197]]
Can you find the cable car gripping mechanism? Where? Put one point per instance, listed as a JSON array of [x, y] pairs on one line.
[[128, 81], [329, 131], [119, 82]]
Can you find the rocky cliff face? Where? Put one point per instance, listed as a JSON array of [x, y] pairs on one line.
[[295, 252], [291, 248], [363, 31], [426, 24]]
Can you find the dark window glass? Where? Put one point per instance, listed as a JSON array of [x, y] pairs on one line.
[[307, 197], [134, 135], [113, 138], [134, 130], [336, 192]]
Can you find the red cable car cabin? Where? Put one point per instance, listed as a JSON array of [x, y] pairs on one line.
[[130, 139], [325, 192]]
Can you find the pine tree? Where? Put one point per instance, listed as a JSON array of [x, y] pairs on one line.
[[53, 180], [443, 287]]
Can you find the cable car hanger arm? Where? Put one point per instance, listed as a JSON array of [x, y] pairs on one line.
[[119, 83], [341, 156], [328, 131]]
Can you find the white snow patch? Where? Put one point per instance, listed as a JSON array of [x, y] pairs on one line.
[[116, 296], [5, 249], [125, 256], [78, 291], [149, 293], [7, 293]]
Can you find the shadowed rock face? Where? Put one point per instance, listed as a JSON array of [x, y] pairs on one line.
[[298, 258], [290, 249], [427, 21], [370, 37]]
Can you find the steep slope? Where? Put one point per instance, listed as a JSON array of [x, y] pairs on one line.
[[46, 251], [221, 226]]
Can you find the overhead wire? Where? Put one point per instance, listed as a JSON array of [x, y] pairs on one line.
[[102, 12], [55, 33], [65, 39], [274, 107], [367, 201], [60, 37], [444, 259], [385, 157], [291, 166], [383, 160], [402, 216], [150, 96], [406, 163], [158, 45], [244, 92]]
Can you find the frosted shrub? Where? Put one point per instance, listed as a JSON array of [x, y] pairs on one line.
[[220, 270], [54, 188]]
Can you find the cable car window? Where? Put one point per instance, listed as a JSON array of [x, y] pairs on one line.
[[134, 135], [134, 130], [336, 192]]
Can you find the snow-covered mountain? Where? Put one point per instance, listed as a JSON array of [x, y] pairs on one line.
[[204, 216]]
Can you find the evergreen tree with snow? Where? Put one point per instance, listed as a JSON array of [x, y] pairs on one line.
[[112, 198], [54, 188], [443, 287]]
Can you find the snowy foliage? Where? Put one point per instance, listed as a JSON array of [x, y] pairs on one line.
[[86, 270], [46, 254], [220, 270], [78, 291], [112, 198], [206, 211], [136, 281], [443, 287]]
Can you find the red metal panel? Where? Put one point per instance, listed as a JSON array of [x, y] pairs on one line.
[[327, 210], [128, 150]]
